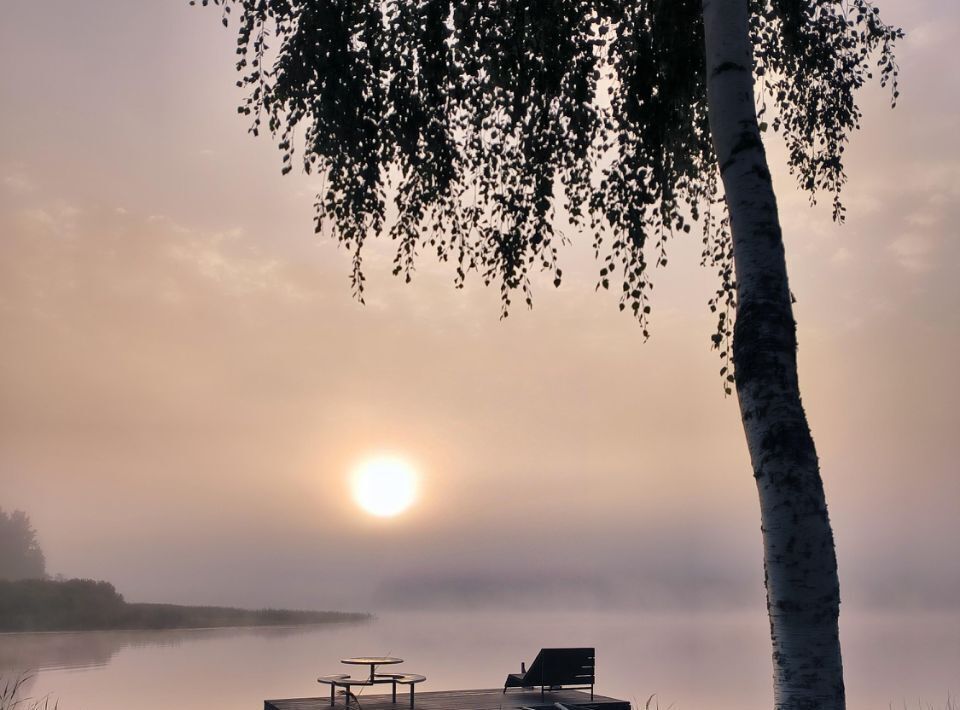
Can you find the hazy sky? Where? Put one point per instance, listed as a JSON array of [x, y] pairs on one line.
[[185, 380]]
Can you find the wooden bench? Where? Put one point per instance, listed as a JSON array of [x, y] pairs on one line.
[[395, 679], [341, 680]]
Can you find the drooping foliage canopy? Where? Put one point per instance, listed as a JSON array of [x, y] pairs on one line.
[[462, 127]]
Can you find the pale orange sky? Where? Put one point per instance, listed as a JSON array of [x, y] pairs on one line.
[[185, 380]]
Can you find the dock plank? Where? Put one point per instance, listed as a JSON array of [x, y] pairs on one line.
[[493, 699]]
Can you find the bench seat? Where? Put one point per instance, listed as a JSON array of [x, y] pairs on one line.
[[395, 679], [342, 680]]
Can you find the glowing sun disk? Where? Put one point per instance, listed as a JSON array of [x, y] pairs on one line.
[[384, 486]]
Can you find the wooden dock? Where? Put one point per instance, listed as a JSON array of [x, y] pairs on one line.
[[460, 700]]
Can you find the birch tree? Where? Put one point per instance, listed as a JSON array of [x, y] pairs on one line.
[[472, 124]]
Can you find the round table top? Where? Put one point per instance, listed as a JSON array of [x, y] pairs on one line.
[[371, 660]]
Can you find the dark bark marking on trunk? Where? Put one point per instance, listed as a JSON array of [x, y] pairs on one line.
[[747, 140], [728, 66], [762, 332], [761, 172]]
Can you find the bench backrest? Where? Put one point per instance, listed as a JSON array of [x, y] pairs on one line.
[[562, 666]]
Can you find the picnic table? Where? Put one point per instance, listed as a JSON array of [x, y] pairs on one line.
[[342, 680]]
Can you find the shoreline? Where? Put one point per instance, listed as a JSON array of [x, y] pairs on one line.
[[226, 627], [32, 606]]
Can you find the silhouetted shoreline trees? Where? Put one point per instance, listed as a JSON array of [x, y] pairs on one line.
[[87, 605], [29, 601], [20, 553]]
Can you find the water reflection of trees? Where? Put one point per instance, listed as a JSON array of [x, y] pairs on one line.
[[22, 652]]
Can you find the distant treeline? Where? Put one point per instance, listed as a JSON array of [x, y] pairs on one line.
[[20, 553], [85, 605]]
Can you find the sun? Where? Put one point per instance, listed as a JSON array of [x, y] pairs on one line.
[[384, 486]]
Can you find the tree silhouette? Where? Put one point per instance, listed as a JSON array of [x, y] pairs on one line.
[[479, 120], [20, 553]]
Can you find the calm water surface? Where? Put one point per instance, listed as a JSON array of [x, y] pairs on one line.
[[716, 661]]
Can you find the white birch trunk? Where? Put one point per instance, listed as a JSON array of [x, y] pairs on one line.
[[803, 597]]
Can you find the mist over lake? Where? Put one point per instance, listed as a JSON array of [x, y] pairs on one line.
[[696, 660]]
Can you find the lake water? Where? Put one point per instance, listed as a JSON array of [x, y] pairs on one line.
[[716, 661]]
